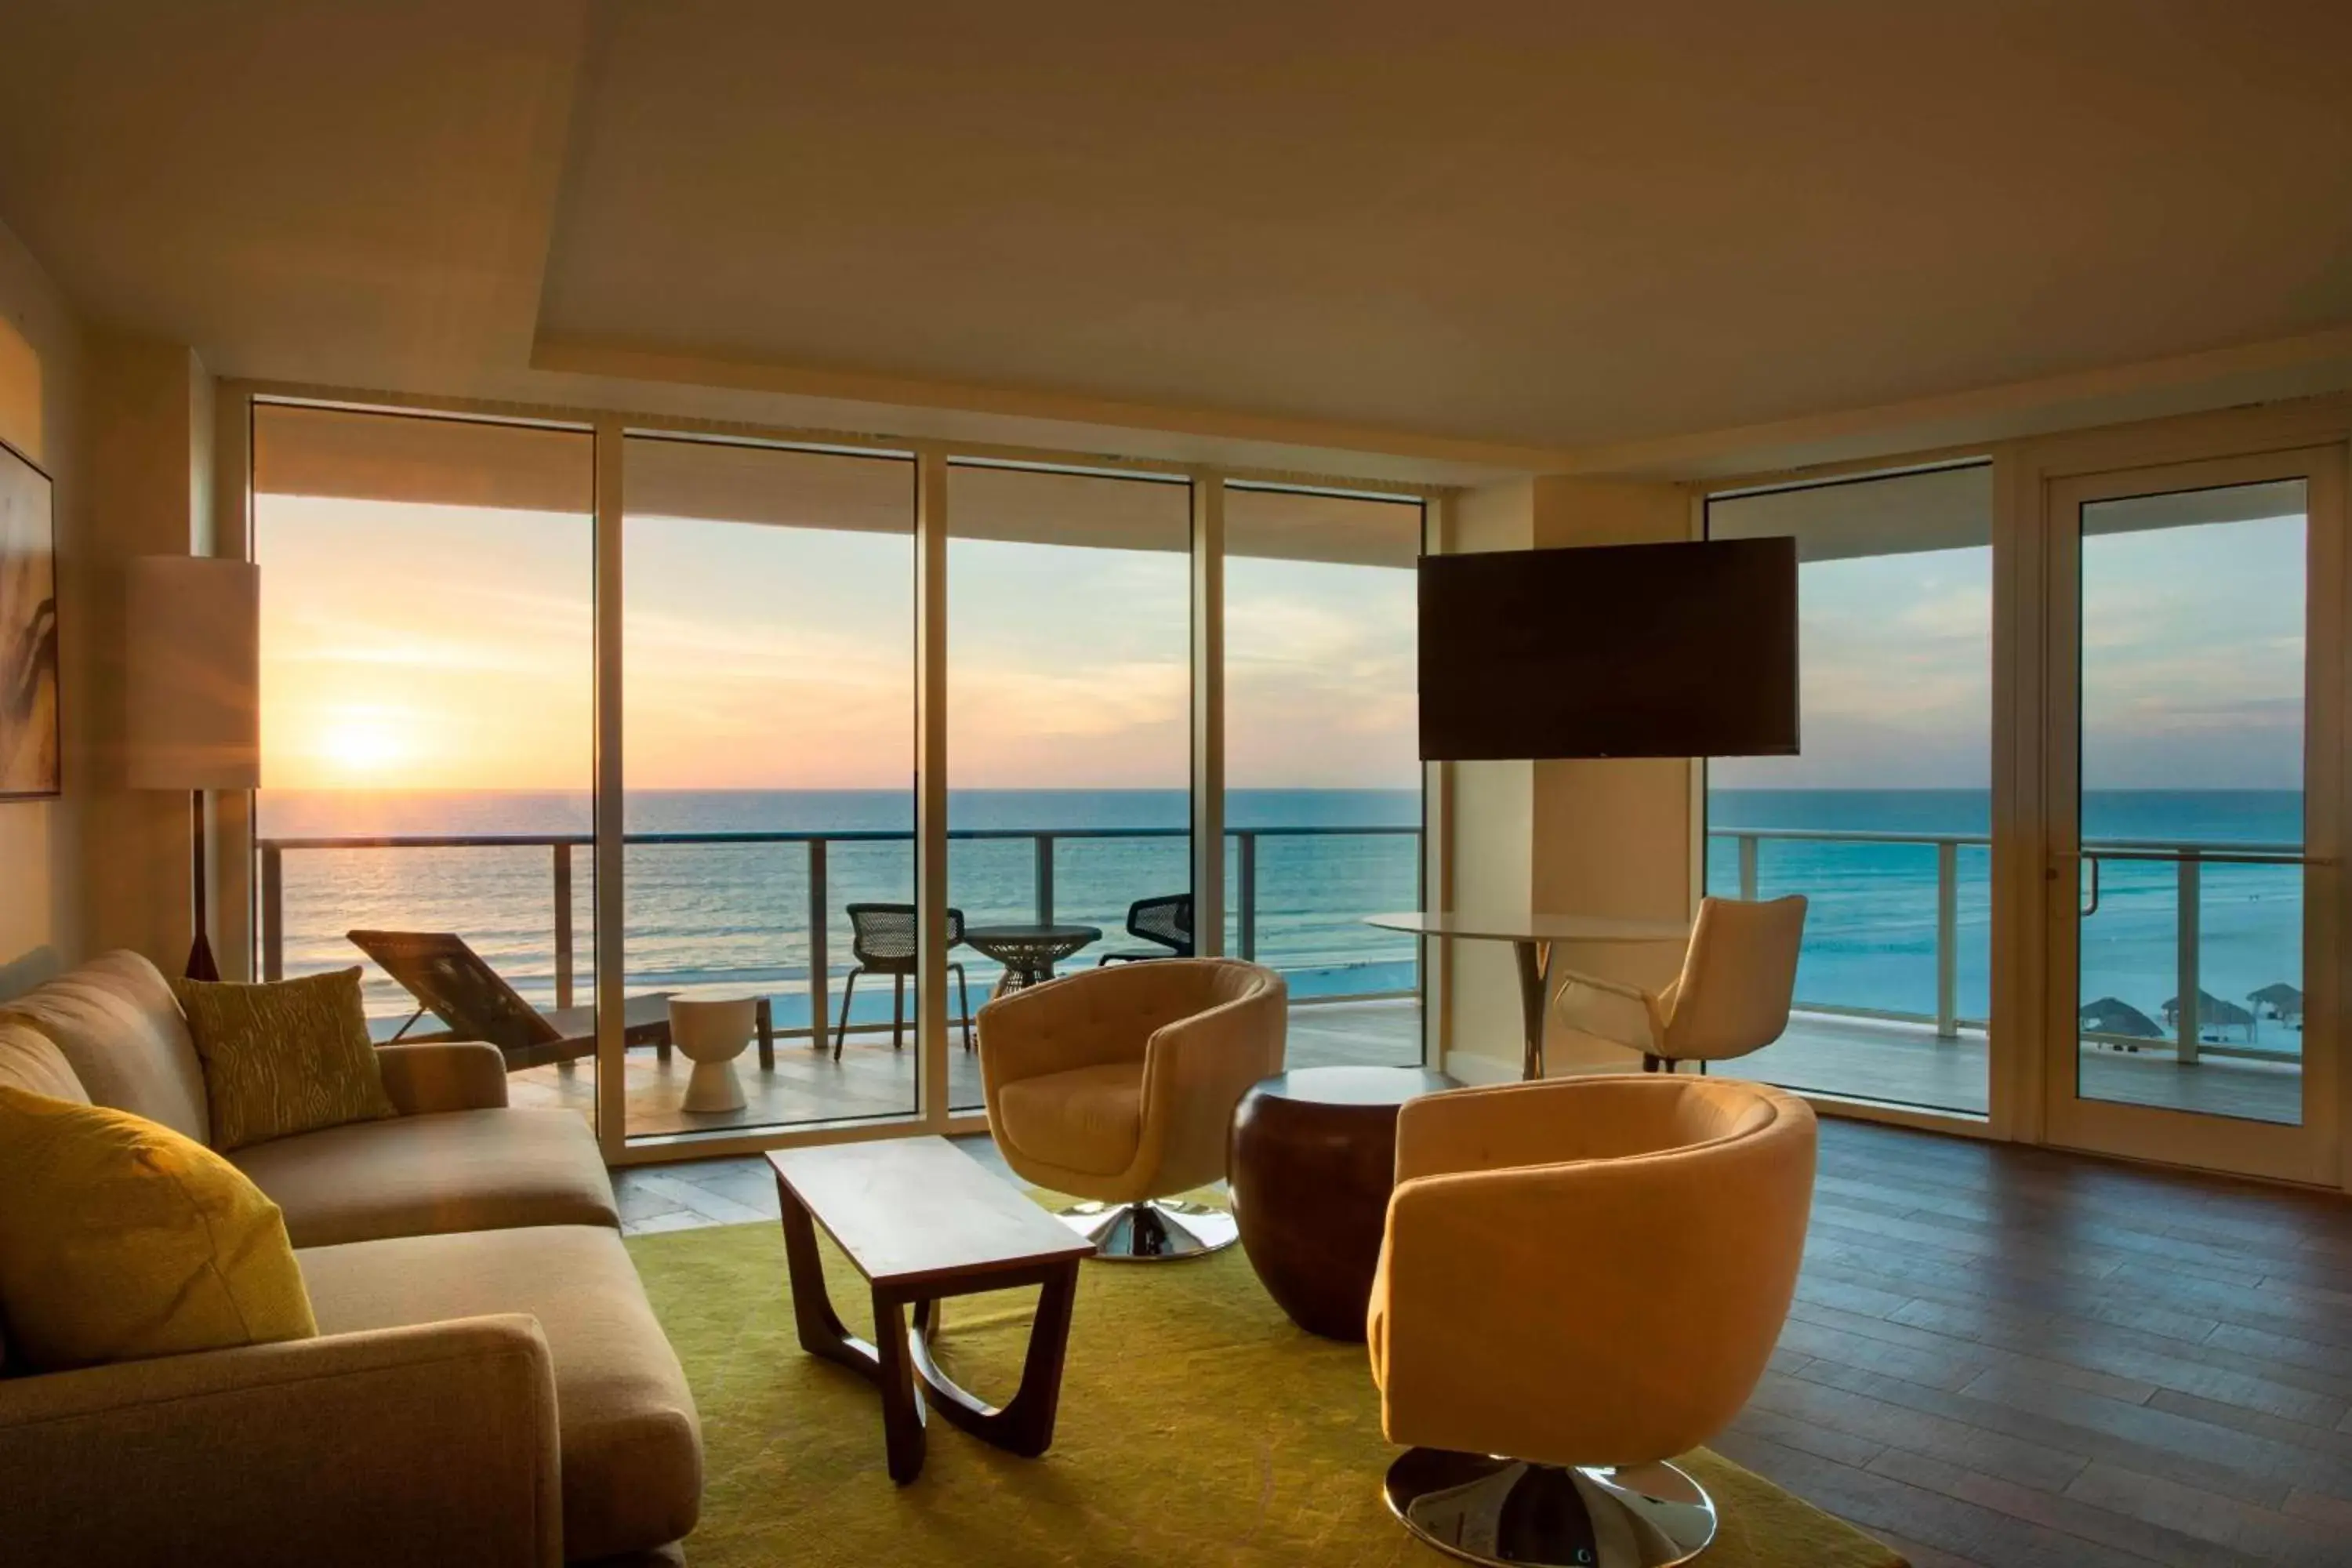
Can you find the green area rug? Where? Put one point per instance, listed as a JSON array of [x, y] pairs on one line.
[[1198, 1426]]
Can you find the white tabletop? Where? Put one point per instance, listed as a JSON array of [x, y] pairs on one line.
[[1492, 925]]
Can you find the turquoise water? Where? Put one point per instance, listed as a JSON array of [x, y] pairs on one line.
[[730, 917], [735, 917], [1870, 936]]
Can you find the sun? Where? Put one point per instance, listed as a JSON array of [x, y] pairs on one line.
[[363, 744]]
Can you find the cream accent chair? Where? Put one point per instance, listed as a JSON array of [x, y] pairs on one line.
[[1738, 977], [1117, 1085], [1585, 1274]]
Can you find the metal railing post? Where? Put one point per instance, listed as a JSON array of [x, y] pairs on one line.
[[273, 912], [2187, 980], [1948, 940], [1044, 845], [1245, 895], [563, 925], [820, 962], [1748, 865]]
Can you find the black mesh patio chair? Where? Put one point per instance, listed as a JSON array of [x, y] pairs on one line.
[[1166, 921], [882, 940]]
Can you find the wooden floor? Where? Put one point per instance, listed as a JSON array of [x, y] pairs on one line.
[[872, 1080], [2008, 1358]]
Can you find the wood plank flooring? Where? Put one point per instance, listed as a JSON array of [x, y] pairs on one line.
[[2007, 1357]]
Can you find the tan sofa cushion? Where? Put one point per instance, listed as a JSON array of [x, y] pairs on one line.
[[115, 1021], [423, 1175], [631, 1440], [30, 1062], [1088, 1119]]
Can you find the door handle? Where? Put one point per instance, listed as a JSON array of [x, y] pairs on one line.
[[2093, 907]]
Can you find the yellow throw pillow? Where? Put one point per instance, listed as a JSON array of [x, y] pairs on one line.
[[287, 1057], [119, 1239]]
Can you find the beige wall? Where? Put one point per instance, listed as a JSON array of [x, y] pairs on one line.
[[40, 385], [1612, 838], [1584, 838], [149, 413]]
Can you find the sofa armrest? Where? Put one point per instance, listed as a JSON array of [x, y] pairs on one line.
[[443, 1075], [431, 1443]]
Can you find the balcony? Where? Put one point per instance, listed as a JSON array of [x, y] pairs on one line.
[[523, 901], [1296, 903], [2154, 913]]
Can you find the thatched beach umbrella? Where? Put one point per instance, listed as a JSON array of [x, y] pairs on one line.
[[2114, 1015], [2281, 1001], [2211, 1013]]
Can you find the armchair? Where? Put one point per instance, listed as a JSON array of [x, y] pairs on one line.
[[1738, 977], [1587, 1276], [1117, 1085]]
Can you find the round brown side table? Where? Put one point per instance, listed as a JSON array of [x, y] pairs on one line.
[[1313, 1161]]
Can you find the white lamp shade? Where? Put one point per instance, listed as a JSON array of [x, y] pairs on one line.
[[193, 626]]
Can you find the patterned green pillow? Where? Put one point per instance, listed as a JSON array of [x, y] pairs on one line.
[[287, 1057]]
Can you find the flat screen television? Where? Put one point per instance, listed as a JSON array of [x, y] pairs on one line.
[[1633, 650]]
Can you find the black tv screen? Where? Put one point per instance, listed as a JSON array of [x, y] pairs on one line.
[[1631, 650]]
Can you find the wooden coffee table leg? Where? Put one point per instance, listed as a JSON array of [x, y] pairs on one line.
[[889, 1366], [902, 1404], [822, 1332], [1024, 1426]]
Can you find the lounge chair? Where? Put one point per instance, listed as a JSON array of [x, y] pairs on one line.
[[1166, 920], [474, 1002]]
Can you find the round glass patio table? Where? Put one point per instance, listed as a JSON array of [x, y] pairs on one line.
[[1028, 952], [1531, 937]]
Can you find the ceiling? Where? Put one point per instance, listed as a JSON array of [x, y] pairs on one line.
[[1470, 237]]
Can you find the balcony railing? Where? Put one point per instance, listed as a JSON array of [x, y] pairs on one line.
[[2188, 858], [271, 855]]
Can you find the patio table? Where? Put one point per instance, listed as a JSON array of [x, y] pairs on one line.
[[1028, 952]]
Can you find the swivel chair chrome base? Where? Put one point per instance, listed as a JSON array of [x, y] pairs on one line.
[[1508, 1512], [1156, 1230]]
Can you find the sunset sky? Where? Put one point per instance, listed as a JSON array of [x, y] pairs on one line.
[[446, 647], [412, 647]]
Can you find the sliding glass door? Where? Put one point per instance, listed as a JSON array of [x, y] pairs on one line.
[[768, 663], [1883, 822], [1069, 692], [1323, 801], [428, 673], [2195, 733]]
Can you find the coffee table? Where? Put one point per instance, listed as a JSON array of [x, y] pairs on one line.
[[1313, 1162], [922, 1220]]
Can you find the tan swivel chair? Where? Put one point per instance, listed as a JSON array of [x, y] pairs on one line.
[[1587, 1276], [1740, 974], [1117, 1085]]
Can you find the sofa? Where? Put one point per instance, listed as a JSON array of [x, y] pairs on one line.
[[489, 1384]]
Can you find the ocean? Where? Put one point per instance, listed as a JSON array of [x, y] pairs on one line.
[[716, 918], [712, 919], [1870, 936]]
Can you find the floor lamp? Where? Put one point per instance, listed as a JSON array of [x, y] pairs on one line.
[[193, 628]]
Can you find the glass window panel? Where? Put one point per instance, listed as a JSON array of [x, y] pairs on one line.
[[1323, 803], [428, 690], [1882, 820], [2192, 742], [769, 694], [1069, 716]]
